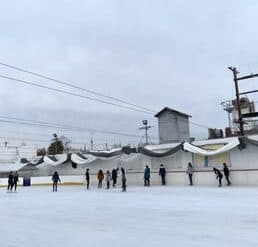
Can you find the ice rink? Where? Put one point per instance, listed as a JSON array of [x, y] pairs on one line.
[[154, 216]]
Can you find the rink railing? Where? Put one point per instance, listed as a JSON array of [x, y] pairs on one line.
[[248, 176]]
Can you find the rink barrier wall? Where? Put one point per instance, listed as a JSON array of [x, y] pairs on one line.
[[46, 181], [202, 177]]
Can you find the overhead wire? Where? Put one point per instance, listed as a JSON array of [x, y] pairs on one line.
[[146, 110], [41, 140], [48, 135], [73, 86], [190, 122], [84, 89], [58, 126], [70, 93], [22, 121]]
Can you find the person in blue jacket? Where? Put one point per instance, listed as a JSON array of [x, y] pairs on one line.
[[147, 176]]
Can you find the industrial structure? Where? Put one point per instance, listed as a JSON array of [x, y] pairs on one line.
[[173, 126], [247, 107]]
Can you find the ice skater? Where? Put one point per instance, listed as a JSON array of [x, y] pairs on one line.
[[147, 176], [10, 182], [108, 178], [100, 178], [218, 175], [190, 172], [55, 179], [123, 179], [15, 180], [114, 176], [162, 173], [226, 173], [87, 174]]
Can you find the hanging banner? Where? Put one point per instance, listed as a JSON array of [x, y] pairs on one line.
[[106, 154], [12, 167], [81, 159], [55, 160], [225, 148], [151, 153]]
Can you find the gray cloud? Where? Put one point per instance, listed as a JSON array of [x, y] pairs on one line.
[[153, 53]]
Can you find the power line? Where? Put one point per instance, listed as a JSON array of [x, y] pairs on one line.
[[74, 86], [41, 140], [200, 125], [48, 135], [192, 123], [64, 127], [145, 110], [70, 93]]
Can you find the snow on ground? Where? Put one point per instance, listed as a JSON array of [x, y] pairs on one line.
[[154, 216]]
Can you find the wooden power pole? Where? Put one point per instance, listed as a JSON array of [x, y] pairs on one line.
[[236, 79]]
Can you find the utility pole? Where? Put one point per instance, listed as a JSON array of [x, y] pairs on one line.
[[145, 127], [91, 141], [240, 119], [236, 79]]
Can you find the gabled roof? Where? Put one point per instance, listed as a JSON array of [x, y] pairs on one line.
[[171, 110]]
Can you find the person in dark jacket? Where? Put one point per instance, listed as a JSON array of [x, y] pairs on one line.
[[15, 180], [218, 175], [190, 172], [162, 173], [100, 178], [10, 182], [123, 177], [147, 176], [226, 173], [114, 177], [55, 179], [87, 174]]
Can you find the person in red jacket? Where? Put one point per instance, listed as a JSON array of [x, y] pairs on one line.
[[100, 178]]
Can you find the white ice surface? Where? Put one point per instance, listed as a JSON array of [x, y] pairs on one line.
[[154, 216]]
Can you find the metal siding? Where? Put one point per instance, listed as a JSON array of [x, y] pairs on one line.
[[173, 127]]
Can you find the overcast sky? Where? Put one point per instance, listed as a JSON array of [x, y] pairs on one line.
[[151, 53]]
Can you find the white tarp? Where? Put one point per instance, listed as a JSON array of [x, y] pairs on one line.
[[162, 147], [197, 150], [89, 158], [109, 158], [35, 160], [8, 167], [61, 158], [81, 161], [107, 151]]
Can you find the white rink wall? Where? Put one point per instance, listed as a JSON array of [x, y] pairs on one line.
[[136, 178], [242, 164]]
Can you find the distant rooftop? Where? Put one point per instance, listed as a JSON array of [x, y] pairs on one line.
[[172, 110]]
